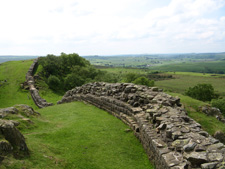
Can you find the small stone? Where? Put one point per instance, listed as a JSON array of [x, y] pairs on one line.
[[176, 134], [185, 130], [189, 147], [127, 130], [158, 143], [136, 104], [196, 158], [199, 148], [162, 126], [215, 156], [155, 89], [215, 147], [136, 110], [209, 165], [204, 133], [168, 133]]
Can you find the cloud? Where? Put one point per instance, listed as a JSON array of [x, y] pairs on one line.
[[86, 26]]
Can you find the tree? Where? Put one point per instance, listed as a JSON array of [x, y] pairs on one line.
[[203, 92], [53, 82], [143, 81], [73, 80], [130, 77]]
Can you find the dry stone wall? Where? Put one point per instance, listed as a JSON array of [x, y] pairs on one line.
[[171, 139], [40, 102]]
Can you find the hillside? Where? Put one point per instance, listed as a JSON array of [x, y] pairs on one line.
[[72, 135], [68, 135], [12, 74]]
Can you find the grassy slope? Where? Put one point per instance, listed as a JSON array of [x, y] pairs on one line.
[[72, 135], [11, 93], [52, 138], [76, 135]]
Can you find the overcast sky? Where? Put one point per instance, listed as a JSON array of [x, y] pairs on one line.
[[106, 27]]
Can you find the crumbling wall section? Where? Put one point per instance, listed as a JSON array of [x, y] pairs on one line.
[[171, 138], [40, 102]]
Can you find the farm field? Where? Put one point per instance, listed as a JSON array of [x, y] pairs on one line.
[[204, 63], [203, 67], [182, 81]]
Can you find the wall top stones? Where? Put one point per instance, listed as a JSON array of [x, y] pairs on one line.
[[170, 138], [40, 102]]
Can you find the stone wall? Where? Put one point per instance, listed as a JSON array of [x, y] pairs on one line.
[[170, 138], [40, 102]]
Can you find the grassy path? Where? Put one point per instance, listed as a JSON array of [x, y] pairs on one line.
[[76, 135]]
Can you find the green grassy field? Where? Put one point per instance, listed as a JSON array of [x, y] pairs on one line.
[[182, 82], [201, 62], [14, 73], [77, 135], [207, 67]]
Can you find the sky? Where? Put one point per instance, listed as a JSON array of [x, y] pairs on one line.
[[109, 27]]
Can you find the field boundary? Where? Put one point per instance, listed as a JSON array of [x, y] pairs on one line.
[[170, 138]]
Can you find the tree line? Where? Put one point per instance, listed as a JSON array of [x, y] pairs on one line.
[[70, 70]]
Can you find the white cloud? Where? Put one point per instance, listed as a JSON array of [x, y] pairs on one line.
[[109, 27]]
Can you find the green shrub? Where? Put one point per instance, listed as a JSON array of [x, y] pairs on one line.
[[104, 76], [203, 92], [220, 104], [144, 81], [53, 82], [130, 77], [73, 80]]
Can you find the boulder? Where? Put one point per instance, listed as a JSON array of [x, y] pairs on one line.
[[220, 136], [14, 137]]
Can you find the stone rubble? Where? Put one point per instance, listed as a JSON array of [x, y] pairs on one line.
[[212, 111], [171, 138], [11, 139]]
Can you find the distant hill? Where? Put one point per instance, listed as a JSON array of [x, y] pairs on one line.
[[5, 58]]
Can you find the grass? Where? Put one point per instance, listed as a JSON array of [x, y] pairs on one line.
[[14, 73], [208, 66], [76, 135], [183, 81], [73, 135]]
